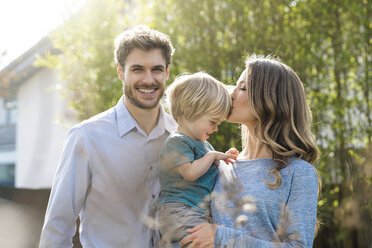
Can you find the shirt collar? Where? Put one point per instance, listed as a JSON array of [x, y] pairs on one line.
[[126, 122], [168, 122]]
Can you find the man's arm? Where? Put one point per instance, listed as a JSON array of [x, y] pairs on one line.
[[68, 192]]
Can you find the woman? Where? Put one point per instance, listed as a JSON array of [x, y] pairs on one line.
[[269, 196]]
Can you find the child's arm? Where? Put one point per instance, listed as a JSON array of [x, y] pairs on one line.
[[192, 171]]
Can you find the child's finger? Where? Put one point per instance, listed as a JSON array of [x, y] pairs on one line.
[[233, 156], [229, 161], [233, 151]]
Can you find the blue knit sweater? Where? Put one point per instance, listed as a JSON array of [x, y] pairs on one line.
[[284, 217]]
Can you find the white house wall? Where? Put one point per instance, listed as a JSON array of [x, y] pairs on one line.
[[42, 125]]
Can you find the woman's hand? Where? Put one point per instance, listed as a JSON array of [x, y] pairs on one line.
[[201, 236]]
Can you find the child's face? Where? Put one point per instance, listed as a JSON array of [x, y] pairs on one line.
[[201, 128]]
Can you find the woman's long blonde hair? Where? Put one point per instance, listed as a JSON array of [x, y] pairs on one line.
[[284, 119]]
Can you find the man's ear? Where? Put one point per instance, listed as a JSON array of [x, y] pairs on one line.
[[120, 71], [167, 72]]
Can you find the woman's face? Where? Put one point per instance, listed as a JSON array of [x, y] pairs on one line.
[[241, 111]]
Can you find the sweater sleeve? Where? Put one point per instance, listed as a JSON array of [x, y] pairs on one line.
[[300, 208]]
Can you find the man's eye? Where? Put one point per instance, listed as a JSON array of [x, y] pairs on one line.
[[158, 69], [137, 69]]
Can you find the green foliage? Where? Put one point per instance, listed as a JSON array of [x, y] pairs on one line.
[[327, 42], [328, 45], [86, 63]]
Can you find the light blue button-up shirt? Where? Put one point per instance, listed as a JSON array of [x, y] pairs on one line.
[[107, 175]]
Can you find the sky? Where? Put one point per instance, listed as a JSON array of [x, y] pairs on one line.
[[24, 22]]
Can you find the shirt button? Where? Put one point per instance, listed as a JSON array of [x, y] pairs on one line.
[[150, 167], [153, 196]]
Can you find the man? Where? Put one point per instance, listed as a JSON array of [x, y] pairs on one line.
[[108, 172]]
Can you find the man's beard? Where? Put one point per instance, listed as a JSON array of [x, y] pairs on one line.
[[130, 95]]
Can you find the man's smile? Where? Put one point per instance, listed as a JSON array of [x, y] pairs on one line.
[[147, 91]]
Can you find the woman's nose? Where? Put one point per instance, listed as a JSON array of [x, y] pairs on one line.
[[232, 94]]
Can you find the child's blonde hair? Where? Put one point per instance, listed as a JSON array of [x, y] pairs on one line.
[[193, 95]]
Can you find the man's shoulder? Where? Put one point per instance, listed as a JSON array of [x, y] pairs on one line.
[[170, 123], [98, 121]]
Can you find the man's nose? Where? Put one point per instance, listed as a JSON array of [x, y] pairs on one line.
[[148, 78]]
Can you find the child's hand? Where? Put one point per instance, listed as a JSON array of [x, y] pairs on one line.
[[228, 157], [233, 155], [233, 151]]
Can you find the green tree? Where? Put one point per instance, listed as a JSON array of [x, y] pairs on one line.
[[328, 45], [86, 63], [327, 42]]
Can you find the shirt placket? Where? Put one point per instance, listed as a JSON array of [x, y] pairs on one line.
[[151, 161]]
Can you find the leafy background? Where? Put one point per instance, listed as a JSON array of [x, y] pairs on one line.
[[327, 42]]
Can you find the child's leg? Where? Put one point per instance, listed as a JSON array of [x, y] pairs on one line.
[[175, 218]]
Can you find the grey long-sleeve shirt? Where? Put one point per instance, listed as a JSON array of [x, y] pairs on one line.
[[108, 175], [297, 195]]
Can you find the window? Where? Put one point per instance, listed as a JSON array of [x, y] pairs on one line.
[[8, 115], [2, 112], [8, 111], [7, 174]]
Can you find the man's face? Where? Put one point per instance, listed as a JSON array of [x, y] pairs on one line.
[[144, 77]]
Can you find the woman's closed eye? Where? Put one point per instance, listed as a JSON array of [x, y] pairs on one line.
[[242, 86]]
